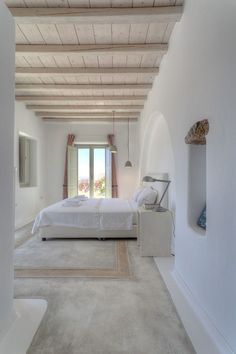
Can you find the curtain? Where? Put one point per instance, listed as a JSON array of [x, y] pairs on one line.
[[114, 185], [70, 142]]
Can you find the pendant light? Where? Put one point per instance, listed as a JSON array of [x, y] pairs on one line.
[[113, 148], [128, 162]]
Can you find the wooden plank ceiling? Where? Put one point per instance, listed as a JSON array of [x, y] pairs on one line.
[[90, 59]]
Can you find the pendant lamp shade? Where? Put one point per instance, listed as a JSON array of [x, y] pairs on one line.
[[113, 148], [128, 163]]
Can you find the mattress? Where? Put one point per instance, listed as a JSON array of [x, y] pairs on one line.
[[92, 214]]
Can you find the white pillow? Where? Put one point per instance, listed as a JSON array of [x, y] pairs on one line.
[[147, 196], [137, 193]]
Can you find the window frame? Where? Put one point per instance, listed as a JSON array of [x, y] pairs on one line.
[[91, 148], [27, 160]]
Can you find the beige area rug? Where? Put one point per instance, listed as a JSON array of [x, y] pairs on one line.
[[104, 316], [72, 259]]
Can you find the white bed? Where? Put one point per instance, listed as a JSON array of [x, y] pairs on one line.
[[100, 218], [92, 218]]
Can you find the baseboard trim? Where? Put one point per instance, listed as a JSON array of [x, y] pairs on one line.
[[26, 222], [23, 234], [205, 337], [29, 316]]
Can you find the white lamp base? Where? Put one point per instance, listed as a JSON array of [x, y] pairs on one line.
[[29, 315]]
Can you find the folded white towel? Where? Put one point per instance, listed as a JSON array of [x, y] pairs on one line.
[[79, 197], [71, 203]]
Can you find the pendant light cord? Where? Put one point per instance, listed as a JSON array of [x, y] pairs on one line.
[[128, 138]]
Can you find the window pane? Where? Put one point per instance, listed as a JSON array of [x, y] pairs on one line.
[[108, 172], [99, 173], [83, 173]]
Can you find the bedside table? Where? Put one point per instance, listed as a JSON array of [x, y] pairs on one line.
[[155, 230]]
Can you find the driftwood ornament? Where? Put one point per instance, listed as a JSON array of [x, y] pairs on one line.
[[197, 134]]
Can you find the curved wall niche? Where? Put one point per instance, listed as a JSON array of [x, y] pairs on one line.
[[196, 139]]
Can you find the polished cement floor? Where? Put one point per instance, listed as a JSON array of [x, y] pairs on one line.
[[107, 316]]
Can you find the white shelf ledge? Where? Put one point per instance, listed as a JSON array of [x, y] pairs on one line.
[[29, 316]]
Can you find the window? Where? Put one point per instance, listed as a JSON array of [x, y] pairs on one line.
[[89, 171], [27, 161]]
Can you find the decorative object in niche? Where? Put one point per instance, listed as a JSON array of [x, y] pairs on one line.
[[202, 219], [197, 134]]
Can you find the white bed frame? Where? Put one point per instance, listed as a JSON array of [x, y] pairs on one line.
[[75, 232]]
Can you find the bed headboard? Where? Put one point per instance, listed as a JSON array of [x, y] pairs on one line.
[[159, 186]]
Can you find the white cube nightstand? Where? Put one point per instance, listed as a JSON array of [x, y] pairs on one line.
[[155, 230]]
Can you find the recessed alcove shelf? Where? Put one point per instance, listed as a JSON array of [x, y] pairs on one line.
[[196, 139]]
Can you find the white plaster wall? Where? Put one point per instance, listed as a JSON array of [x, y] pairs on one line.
[[198, 80], [56, 138], [30, 200], [7, 68], [156, 155]]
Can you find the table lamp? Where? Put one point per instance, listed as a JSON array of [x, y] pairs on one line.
[[158, 206]]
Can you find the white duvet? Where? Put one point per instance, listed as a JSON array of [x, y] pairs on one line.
[[97, 214]]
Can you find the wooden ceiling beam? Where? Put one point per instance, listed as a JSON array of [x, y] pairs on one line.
[[57, 15], [39, 87], [90, 49], [80, 98], [87, 120], [45, 72], [91, 108], [87, 114]]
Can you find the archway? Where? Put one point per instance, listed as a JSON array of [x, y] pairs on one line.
[[156, 151]]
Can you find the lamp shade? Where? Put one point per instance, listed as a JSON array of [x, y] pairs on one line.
[[113, 149], [151, 179], [148, 179], [128, 164]]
